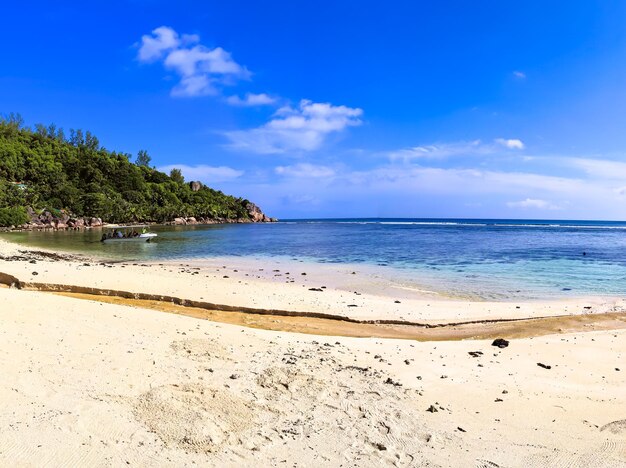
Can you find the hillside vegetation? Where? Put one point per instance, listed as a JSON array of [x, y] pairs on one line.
[[45, 169]]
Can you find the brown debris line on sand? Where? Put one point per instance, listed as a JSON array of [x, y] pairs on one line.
[[68, 288], [10, 281], [300, 323], [337, 325]]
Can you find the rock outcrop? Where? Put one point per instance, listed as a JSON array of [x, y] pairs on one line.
[[61, 219], [58, 220], [256, 215], [254, 212], [195, 185]]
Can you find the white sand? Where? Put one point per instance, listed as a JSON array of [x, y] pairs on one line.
[[85, 383]]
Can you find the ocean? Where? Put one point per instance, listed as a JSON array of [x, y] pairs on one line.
[[481, 258]]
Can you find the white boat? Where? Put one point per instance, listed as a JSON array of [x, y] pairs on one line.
[[127, 234]]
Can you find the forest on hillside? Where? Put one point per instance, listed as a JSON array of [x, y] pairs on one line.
[[45, 169]]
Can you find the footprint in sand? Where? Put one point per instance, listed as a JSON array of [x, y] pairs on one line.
[[615, 427], [200, 349], [486, 464], [609, 454], [195, 417]]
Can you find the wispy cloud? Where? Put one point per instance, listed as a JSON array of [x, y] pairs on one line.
[[300, 129], [599, 168], [251, 100], [534, 203], [460, 148], [201, 70], [204, 173], [574, 188], [305, 170], [512, 143], [519, 75]]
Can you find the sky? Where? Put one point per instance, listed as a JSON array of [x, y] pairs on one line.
[[479, 109]]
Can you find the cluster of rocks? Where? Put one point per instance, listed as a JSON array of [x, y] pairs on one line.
[[64, 220], [254, 212], [181, 221], [47, 220], [191, 220]]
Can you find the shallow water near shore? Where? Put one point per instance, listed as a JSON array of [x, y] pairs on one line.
[[489, 259]]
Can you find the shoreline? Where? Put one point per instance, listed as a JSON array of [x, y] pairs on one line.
[[394, 281], [334, 290]]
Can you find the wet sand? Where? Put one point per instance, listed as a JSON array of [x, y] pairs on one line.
[[515, 328]]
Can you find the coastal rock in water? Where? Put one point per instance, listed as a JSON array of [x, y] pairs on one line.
[[76, 223], [180, 221], [257, 216]]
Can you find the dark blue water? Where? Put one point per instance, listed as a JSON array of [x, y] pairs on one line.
[[486, 258]]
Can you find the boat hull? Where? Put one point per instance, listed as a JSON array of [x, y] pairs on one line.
[[141, 238]]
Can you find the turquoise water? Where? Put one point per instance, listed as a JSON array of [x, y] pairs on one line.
[[485, 258]]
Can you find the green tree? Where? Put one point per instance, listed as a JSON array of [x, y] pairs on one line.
[[42, 169], [143, 159], [177, 176]]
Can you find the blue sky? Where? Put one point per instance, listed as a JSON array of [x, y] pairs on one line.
[[344, 108]]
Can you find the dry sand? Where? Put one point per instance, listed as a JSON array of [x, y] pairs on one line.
[[92, 383]]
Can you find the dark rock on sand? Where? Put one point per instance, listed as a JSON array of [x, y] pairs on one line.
[[545, 366], [390, 381], [500, 343], [432, 409]]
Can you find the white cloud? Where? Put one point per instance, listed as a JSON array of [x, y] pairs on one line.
[[512, 143], [200, 68], [519, 74], [533, 203], [204, 173], [459, 148], [439, 150], [195, 85], [155, 45], [251, 99], [305, 170], [599, 168], [304, 128]]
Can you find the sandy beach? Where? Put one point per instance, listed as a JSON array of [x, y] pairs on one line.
[[91, 382]]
